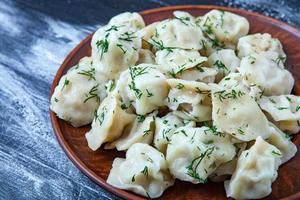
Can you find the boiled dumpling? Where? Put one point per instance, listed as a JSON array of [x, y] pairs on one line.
[[259, 42], [284, 110], [262, 70], [225, 61], [147, 32], [146, 171], [164, 129], [78, 93], [228, 168], [236, 113], [172, 33], [114, 49], [140, 131], [195, 153], [224, 27], [109, 122], [189, 99], [145, 87], [289, 126], [283, 142], [177, 61], [256, 170], [146, 56], [133, 20]]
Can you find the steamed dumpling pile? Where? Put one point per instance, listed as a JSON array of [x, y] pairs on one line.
[[187, 98]]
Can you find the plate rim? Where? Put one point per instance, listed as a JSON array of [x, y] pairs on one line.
[[54, 119]]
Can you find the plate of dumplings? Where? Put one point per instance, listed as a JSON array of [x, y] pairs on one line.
[[184, 102]]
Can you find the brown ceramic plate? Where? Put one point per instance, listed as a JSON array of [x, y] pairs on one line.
[[97, 165]]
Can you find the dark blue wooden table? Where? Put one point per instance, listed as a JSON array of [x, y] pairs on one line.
[[35, 37]]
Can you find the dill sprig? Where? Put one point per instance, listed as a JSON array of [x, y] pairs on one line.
[[102, 45], [149, 94], [66, 82], [146, 132], [213, 129], [233, 94], [145, 171], [192, 168], [92, 94], [135, 72], [88, 73], [220, 65], [252, 59], [160, 45], [183, 20], [276, 153], [113, 28], [111, 85], [100, 118], [179, 86], [127, 36], [173, 73], [141, 118], [121, 47], [279, 59]]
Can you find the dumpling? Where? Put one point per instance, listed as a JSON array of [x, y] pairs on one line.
[[283, 107], [236, 81], [164, 129], [290, 126], [173, 63], [256, 43], [195, 153], [133, 20], [147, 32], [228, 168], [189, 99], [146, 171], [283, 142], [284, 110], [262, 70], [172, 33], [109, 122], [256, 170], [236, 113], [140, 131], [200, 74], [114, 49], [145, 87], [79, 93], [224, 27], [225, 61], [146, 56]]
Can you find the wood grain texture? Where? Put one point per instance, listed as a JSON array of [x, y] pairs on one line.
[[97, 164], [35, 38]]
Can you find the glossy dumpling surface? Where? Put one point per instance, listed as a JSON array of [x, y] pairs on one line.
[[109, 122], [78, 93], [263, 70], [256, 170], [236, 113], [257, 43], [146, 171]]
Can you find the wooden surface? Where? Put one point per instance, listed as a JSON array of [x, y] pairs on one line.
[[97, 164], [35, 38]]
